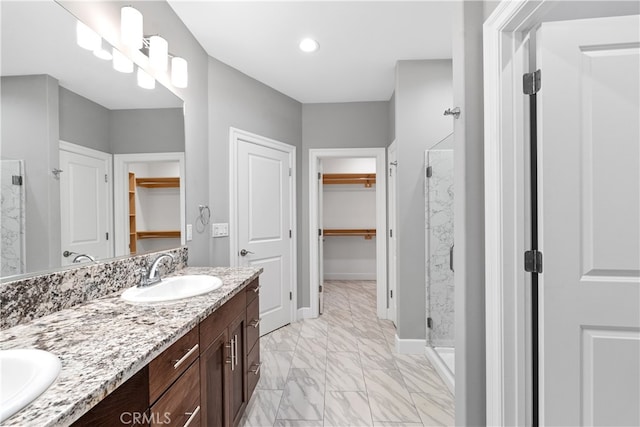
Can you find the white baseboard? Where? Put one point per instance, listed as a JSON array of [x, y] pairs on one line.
[[350, 276], [408, 346], [304, 313], [441, 368]]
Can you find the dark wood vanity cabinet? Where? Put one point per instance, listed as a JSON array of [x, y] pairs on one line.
[[205, 378]]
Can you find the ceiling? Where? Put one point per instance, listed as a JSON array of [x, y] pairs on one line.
[[360, 42]]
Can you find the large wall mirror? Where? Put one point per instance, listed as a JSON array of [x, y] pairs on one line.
[[92, 163]]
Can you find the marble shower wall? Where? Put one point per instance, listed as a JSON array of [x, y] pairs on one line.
[[12, 219], [35, 296], [439, 238]]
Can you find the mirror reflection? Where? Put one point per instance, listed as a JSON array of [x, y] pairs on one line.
[[92, 164]]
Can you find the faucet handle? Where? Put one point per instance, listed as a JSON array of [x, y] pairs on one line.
[[144, 276]]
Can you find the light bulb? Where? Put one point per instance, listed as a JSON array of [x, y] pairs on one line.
[[145, 81], [309, 45], [121, 62], [158, 53], [179, 74], [131, 27], [87, 38]]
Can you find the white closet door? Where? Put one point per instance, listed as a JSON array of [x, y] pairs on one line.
[[589, 180]]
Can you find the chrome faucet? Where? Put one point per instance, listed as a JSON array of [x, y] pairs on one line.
[[83, 257], [152, 275]]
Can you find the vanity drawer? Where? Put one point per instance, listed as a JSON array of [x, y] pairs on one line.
[[253, 322], [166, 368], [180, 405], [253, 368], [252, 290], [212, 326]]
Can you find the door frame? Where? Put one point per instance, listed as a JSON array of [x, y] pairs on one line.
[[120, 170], [506, 52], [392, 269], [108, 159], [381, 221], [235, 135]]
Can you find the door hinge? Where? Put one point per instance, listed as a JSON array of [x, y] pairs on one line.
[[107, 234], [289, 171], [391, 293], [319, 232], [390, 233], [429, 171], [429, 322], [106, 178], [531, 82], [320, 288], [533, 261], [16, 179], [290, 296], [290, 234], [319, 175]]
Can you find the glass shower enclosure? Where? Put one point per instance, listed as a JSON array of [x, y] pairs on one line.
[[439, 193]]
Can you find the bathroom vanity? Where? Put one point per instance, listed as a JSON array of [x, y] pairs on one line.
[[190, 362]]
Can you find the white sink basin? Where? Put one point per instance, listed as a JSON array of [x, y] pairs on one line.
[[173, 288], [24, 375]]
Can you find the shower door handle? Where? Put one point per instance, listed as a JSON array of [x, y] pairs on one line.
[[451, 258]]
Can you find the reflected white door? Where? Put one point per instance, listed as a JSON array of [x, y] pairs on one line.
[[85, 204], [264, 224], [393, 242], [589, 180], [320, 240]]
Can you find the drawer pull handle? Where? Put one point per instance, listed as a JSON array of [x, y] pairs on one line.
[[192, 416], [235, 353], [256, 289], [185, 357], [256, 371], [255, 322]]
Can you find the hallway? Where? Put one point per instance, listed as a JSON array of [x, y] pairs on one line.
[[342, 370]]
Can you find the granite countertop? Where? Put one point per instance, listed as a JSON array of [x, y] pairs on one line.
[[103, 342]]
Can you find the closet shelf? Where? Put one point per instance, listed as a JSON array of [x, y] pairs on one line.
[[158, 234], [368, 234], [368, 179], [170, 182]]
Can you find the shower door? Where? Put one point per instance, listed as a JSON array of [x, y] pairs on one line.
[[439, 244]]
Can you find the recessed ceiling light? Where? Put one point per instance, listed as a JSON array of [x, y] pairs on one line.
[[309, 45]]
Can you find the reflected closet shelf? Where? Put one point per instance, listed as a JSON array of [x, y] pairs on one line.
[[165, 234], [368, 234]]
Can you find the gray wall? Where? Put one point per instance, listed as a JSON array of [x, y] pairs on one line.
[[340, 125], [83, 122], [237, 100], [30, 132], [159, 18], [423, 91], [157, 130]]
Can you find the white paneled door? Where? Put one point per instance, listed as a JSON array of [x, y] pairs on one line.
[[85, 203], [320, 239], [589, 181], [264, 227]]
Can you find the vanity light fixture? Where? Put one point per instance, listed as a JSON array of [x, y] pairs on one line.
[[87, 38], [131, 28], [121, 62], [158, 53], [309, 45], [145, 81], [179, 73]]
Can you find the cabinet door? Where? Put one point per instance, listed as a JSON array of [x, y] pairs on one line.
[[238, 392], [214, 381]]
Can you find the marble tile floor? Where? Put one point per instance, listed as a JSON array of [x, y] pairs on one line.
[[341, 370]]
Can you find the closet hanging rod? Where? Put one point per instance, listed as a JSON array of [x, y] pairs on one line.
[[368, 234], [368, 179]]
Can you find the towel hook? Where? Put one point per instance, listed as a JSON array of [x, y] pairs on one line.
[[455, 112]]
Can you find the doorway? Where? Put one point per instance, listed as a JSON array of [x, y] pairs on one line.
[[262, 221], [319, 159]]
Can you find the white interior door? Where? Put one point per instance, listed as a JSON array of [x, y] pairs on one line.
[[264, 227], [85, 205], [320, 239], [589, 181], [392, 157]]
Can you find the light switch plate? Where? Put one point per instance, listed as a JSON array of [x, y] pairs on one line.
[[220, 230], [189, 232]]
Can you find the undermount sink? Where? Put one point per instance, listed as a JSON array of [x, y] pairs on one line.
[[24, 375], [173, 288]]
